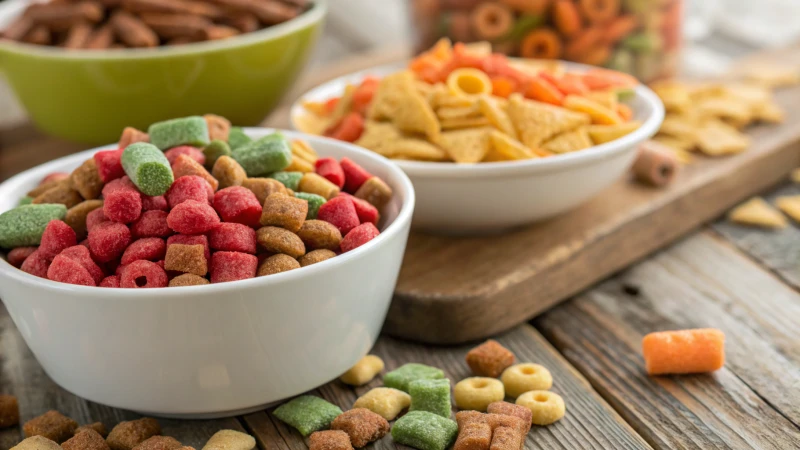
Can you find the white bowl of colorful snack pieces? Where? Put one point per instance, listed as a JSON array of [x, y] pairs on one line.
[[237, 284], [522, 126]]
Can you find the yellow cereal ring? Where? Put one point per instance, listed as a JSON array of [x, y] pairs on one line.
[[363, 372], [492, 20], [477, 393], [521, 378], [546, 407], [542, 43], [468, 81]]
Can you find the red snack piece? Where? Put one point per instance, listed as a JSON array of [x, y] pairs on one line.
[[56, 237], [192, 152], [367, 212], [110, 282], [191, 240], [95, 217], [18, 255], [151, 224], [82, 255], [233, 237], [354, 175], [341, 212], [232, 266], [192, 217], [239, 205], [55, 176], [331, 170], [189, 187], [67, 270], [157, 203], [123, 203], [108, 240], [143, 274], [147, 249], [359, 236], [109, 164], [35, 264]]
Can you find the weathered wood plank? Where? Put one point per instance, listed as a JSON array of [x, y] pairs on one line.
[[590, 423], [700, 282], [22, 376]]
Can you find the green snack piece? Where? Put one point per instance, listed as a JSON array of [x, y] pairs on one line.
[[525, 24], [624, 94], [621, 61], [430, 395], [289, 179], [27, 200], [148, 168], [214, 150], [23, 226], [237, 138], [307, 413], [191, 130], [643, 43], [401, 377], [264, 156], [425, 431], [314, 202]]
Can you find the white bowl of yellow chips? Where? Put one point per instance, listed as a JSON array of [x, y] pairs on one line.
[[473, 198]]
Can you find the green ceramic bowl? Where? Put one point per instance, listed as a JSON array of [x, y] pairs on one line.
[[90, 96]]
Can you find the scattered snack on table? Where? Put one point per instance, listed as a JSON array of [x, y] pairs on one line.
[[96, 426], [53, 425], [424, 431], [37, 443], [127, 435], [363, 371], [402, 377], [384, 401], [655, 165], [478, 393], [790, 205], [489, 359], [684, 351], [230, 440], [510, 409], [546, 407], [361, 425], [758, 213], [525, 377], [307, 413], [9, 411], [474, 436], [86, 440], [329, 440], [430, 395], [159, 443]]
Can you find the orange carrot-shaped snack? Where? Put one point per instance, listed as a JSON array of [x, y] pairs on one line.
[[684, 351]]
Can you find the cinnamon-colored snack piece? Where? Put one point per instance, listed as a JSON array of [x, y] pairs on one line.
[[18, 29], [204, 9], [130, 136], [170, 25], [38, 35], [218, 127], [269, 12], [656, 165], [243, 22], [101, 38], [132, 31], [78, 35], [63, 16], [217, 32]]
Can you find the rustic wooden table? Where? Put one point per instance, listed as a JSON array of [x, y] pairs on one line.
[[742, 281]]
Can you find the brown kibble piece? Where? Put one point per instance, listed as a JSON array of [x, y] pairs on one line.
[[474, 436], [263, 187], [329, 440], [78, 35], [315, 256], [186, 258], [187, 279], [60, 193], [159, 443], [315, 184], [510, 409], [489, 359], [127, 435], [375, 191], [278, 240], [283, 211], [505, 438], [362, 425], [317, 234], [169, 26], [502, 420], [63, 180], [87, 439], [97, 426], [76, 216], [218, 127], [277, 264], [464, 418], [101, 38], [86, 180], [53, 425], [9, 411], [217, 32], [132, 31], [185, 165], [228, 172], [37, 443], [130, 136]]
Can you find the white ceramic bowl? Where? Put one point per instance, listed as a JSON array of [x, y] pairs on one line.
[[215, 350], [490, 197]]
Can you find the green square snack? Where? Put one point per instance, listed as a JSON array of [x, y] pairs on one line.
[[237, 138], [405, 374], [289, 179], [27, 200], [24, 225], [424, 431], [314, 202], [147, 168], [430, 395], [191, 130], [214, 150], [307, 413], [264, 156]]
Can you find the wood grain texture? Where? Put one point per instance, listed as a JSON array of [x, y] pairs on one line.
[[700, 282], [589, 424], [458, 289], [22, 376]]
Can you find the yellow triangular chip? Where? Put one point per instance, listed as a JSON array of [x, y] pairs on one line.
[[464, 122], [790, 205], [458, 112], [599, 113], [311, 123], [731, 109], [510, 147], [769, 112], [717, 138], [757, 212], [680, 127], [674, 142], [608, 99], [377, 135], [601, 134], [415, 149], [674, 95], [387, 96], [415, 115], [537, 122], [496, 115], [466, 146], [569, 141]]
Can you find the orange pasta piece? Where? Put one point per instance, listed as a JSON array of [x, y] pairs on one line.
[[601, 79], [620, 27], [542, 43], [349, 129], [595, 56], [599, 11], [364, 93], [684, 351], [330, 105], [625, 112], [503, 87], [566, 18], [542, 90], [568, 83], [583, 43]]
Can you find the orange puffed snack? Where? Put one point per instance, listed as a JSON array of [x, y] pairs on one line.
[[684, 351]]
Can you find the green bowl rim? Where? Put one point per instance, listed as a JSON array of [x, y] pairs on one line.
[[308, 18]]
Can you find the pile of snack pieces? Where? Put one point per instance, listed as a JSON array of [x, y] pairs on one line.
[[266, 206], [464, 104], [103, 24], [757, 212], [633, 36]]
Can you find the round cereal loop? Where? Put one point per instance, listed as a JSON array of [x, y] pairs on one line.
[[315, 256], [521, 378], [277, 264], [492, 20], [541, 43], [319, 234], [278, 240], [600, 11], [546, 407], [143, 274], [476, 393]]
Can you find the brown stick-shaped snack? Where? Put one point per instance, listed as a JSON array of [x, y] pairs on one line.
[[244, 22], [170, 26], [204, 9], [101, 38], [655, 165], [18, 29], [78, 35], [61, 17], [133, 31], [215, 32], [39, 35], [269, 11]]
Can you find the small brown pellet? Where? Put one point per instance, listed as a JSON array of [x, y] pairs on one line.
[[130, 136], [86, 180], [283, 211], [263, 187], [127, 435], [489, 359], [186, 259], [187, 279], [87, 439], [329, 440], [317, 234], [228, 172], [315, 256], [278, 240], [53, 425], [218, 127], [362, 425], [97, 426], [277, 264], [9, 411], [159, 443], [375, 191]]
